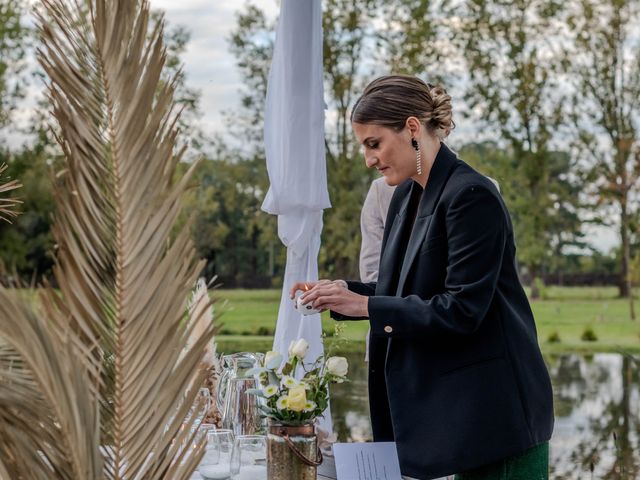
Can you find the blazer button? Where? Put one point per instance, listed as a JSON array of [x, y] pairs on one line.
[[388, 329]]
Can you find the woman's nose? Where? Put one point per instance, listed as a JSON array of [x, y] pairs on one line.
[[370, 160]]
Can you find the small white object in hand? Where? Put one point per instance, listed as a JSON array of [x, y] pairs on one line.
[[305, 309]]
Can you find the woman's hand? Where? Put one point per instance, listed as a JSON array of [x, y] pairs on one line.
[[306, 286], [333, 295]]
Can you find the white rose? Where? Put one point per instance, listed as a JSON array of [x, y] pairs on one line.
[[337, 366], [272, 360], [298, 348]]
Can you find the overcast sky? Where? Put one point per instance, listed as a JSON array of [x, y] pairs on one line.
[[209, 66]]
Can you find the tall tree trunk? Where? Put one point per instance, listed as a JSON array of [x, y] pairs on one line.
[[624, 465], [625, 280], [535, 291]]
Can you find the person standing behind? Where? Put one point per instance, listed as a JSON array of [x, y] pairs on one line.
[[372, 221]]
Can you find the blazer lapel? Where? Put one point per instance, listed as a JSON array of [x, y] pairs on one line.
[[391, 249], [440, 172]]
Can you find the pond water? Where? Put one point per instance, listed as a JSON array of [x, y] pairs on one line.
[[597, 409]]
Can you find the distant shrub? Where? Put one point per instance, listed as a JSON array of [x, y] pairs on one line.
[[589, 335], [226, 331], [265, 331], [542, 288], [554, 337], [246, 333]]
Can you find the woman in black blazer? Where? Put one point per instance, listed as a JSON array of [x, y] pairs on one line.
[[456, 377]]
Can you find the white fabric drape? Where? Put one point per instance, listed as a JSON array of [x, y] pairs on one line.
[[295, 152]]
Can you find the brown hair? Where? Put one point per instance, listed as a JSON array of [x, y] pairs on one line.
[[390, 100]]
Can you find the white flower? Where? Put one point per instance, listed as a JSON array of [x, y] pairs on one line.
[[281, 404], [270, 390], [289, 382], [298, 348], [309, 406], [272, 360], [337, 366]]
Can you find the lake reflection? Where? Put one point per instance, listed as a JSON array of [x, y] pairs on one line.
[[597, 408]]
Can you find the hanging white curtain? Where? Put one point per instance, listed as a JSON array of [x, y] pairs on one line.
[[294, 144]]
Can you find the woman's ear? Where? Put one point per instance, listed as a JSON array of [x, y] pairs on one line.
[[414, 126]]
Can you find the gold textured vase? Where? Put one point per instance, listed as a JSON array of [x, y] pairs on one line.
[[292, 452]]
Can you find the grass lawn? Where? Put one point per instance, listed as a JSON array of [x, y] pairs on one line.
[[566, 311]]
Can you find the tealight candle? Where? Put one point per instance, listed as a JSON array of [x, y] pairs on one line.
[[251, 472], [214, 472], [305, 309]]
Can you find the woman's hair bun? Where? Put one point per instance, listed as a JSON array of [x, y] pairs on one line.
[[390, 100]]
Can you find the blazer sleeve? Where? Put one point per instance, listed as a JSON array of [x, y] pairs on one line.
[[476, 233], [367, 289]]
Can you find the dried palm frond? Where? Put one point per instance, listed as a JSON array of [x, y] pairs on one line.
[[201, 308], [7, 205], [48, 408], [123, 282]]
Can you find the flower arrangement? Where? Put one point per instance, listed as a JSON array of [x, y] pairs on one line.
[[292, 401]]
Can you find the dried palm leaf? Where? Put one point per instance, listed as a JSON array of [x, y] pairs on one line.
[[48, 409], [123, 279], [7, 205], [201, 309]]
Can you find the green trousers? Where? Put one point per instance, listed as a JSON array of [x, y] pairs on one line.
[[531, 465]]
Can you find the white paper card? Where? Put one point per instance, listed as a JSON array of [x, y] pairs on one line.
[[367, 461]]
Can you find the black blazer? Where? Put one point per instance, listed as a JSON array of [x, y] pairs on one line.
[[456, 377]]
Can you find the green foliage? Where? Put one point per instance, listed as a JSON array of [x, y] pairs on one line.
[[601, 58], [411, 39], [13, 45], [265, 331], [541, 288], [589, 335], [346, 29], [26, 246], [520, 100], [554, 337], [238, 241]]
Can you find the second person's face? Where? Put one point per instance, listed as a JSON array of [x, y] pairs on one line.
[[390, 152]]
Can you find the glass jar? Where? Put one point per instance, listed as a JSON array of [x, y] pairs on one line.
[[292, 452]]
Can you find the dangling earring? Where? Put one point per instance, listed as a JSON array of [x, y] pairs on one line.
[[415, 145]]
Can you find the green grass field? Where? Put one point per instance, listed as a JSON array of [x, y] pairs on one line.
[[248, 318]]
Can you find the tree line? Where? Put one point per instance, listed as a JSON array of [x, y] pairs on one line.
[[548, 91]]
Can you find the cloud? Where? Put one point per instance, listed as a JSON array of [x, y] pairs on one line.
[[208, 64]]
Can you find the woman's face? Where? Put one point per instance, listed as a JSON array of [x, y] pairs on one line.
[[389, 151]]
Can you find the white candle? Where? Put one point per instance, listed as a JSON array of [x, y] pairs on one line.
[[305, 309], [215, 472], [252, 472]]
